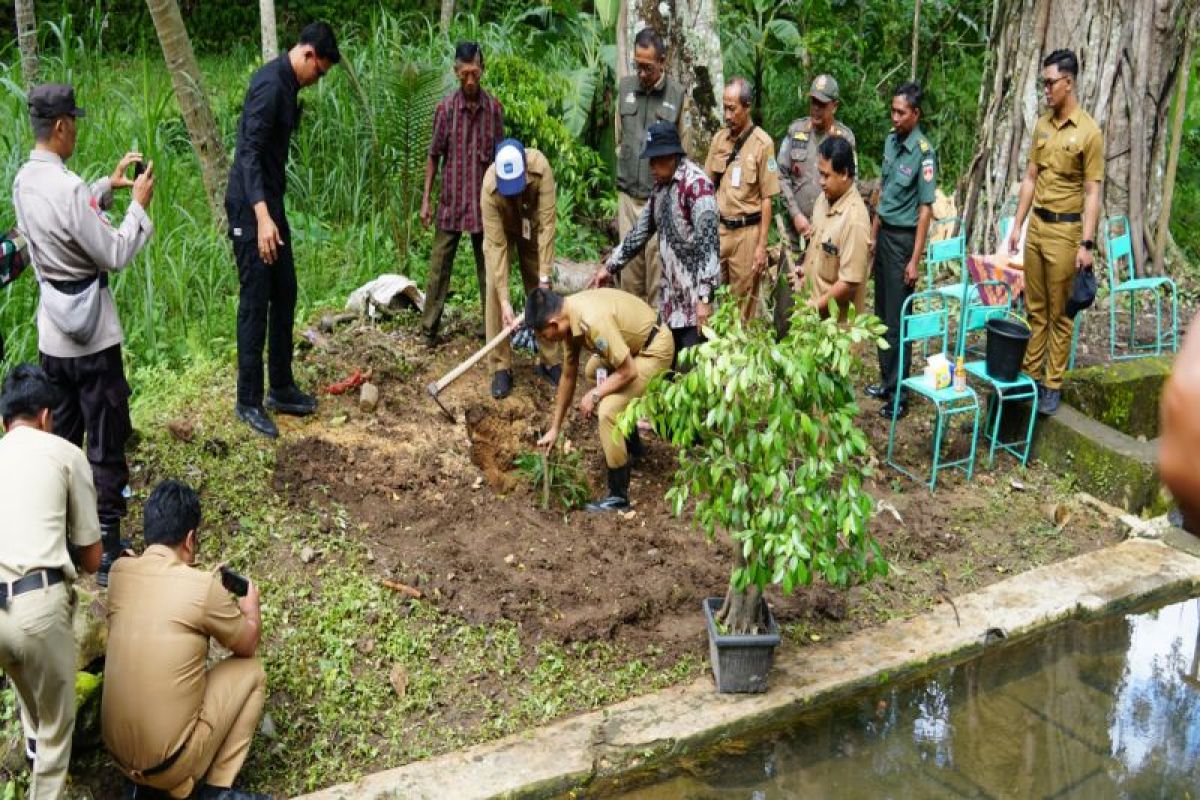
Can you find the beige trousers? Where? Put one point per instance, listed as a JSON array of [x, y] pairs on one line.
[[37, 652], [500, 358], [1050, 249], [737, 267], [641, 277], [650, 362]]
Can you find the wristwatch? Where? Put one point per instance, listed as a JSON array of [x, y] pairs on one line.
[[1088, 244]]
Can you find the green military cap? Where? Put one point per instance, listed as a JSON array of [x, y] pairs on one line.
[[824, 88]]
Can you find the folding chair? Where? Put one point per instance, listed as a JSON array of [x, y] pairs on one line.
[[1124, 280], [947, 251], [920, 326]]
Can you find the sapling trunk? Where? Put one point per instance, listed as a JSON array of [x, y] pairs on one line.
[[741, 612]]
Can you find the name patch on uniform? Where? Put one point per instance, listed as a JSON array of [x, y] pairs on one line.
[[927, 169], [631, 98], [771, 165], [904, 169], [800, 137], [668, 105]]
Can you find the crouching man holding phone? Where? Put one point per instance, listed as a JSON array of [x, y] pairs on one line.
[[170, 722]]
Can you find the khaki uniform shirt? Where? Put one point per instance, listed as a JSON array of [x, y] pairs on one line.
[[909, 178], [70, 239], [1067, 155], [752, 177], [161, 613], [639, 109], [614, 324], [530, 217], [839, 249], [798, 154], [46, 499]]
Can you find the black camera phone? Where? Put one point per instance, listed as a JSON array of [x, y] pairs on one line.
[[236, 584], [138, 168]]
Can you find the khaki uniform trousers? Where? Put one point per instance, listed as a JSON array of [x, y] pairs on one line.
[[214, 754], [650, 362], [37, 652], [642, 276], [549, 353], [737, 266], [1050, 249]]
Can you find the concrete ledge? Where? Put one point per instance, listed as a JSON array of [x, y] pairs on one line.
[[639, 733], [1122, 394]]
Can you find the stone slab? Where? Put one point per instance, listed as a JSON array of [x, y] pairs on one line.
[[1122, 394], [642, 732]]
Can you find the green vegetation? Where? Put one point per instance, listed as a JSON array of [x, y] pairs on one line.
[[567, 481]]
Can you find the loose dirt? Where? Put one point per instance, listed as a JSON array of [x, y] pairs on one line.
[[443, 509]]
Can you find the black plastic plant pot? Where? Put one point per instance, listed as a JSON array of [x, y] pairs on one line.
[[740, 663]]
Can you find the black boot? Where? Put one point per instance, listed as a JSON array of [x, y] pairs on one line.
[[635, 448], [618, 492], [112, 548]]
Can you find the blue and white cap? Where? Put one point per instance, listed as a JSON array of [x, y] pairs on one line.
[[510, 167]]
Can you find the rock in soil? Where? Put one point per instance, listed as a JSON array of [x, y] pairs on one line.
[[368, 397]]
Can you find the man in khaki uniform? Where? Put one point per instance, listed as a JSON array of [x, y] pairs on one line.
[[1062, 184], [839, 261], [626, 340], [518, 208], [800, 182], [642, 100], [169, 721], [47, 502], [741, 163]]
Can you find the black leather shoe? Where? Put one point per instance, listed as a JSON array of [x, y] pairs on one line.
[[551, 374], [618, 492], [256, 418], [502, 384], [878, 391], [613, 502], [890, 411], [113, 547], [207, 792], [291, 401]]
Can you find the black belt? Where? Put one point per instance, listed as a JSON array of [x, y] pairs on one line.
[[1051, 216], [38, 579], [77, 287], [650, 338], [740, 222], [166, 764], [898, 228]]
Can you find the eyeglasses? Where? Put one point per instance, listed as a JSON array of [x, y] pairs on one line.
[[645, 69], [1048, 83]]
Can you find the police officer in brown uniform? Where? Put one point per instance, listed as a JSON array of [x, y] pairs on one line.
[[1062, 184], [169, 720], [642, 100], [518, 208], [839, 261], [625, 338], [800, 180], [47, 503], [741, 163]]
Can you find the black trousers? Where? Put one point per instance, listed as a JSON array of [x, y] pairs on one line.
[[685, 338], [441, 267], [95, 404], [893, 250], [266, 315]]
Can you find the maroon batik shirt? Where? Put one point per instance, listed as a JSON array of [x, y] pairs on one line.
[[465, 138]]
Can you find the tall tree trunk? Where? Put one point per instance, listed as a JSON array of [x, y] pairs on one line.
[[447, 16], [270, 38], [193, 103], [1130, 56], [916, 39], [1181, 96], [689, 27], [27, 41]]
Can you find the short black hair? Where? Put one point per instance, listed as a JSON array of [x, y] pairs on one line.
[[840, 155], [321, 37], [172, 510], [466, 52], [648, 37], [912, 94], [27, 390], [1065, 60], [540, 306], [744, 88], [43, 127]]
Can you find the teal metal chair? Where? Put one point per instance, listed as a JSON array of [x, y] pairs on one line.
[[924, 317], [1022, 391], [948, 251], [1005, 225], [1123, 280]]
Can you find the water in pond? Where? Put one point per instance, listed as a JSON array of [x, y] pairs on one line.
[[1099, 710]]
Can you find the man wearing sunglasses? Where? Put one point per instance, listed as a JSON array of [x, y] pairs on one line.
[[262, 242], [1062, 185]]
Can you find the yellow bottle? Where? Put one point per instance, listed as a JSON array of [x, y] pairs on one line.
[[960, 376]]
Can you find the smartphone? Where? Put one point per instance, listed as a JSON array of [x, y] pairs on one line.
[[236, 584], [138, 168]]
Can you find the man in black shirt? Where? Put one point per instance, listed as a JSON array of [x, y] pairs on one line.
[[259, 228]]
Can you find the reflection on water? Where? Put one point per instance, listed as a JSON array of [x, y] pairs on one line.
[[1098, 710]]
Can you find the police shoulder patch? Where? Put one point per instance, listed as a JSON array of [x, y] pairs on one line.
[[601, 345], [927, 170], [924, 145], [772, 166]]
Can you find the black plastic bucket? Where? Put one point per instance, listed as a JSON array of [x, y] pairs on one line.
[[1006, 342]]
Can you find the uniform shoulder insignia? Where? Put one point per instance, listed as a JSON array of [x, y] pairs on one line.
[[772, 166], [601, 345], [800, 136], [924, 145]]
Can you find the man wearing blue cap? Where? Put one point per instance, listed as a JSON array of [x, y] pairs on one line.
[[517, 205], [682, 211]]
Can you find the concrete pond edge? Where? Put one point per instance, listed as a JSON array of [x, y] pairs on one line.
[[603, 746]]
